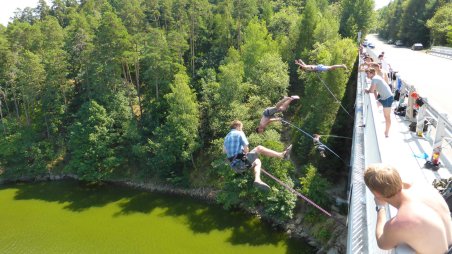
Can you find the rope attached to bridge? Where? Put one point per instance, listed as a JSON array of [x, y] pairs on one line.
[[300, 195], [309, 135], [337, 100]]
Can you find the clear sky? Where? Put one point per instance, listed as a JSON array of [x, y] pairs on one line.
[[8, 7]]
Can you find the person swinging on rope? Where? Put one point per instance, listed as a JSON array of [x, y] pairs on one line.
[[241, 159], [318, 145], [269, 113], [318, 67]]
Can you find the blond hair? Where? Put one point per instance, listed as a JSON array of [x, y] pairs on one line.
[[384, 179], [236, 124], [371, 70]]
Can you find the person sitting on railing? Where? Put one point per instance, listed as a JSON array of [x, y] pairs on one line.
[[378, 85], [318, 67], [422, 221]]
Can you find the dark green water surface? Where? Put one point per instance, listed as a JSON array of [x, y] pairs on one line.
[[72, 217]]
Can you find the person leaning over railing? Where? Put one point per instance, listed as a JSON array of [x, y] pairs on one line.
[[380, 72], [366, 65], [423, 220], [378, 85]]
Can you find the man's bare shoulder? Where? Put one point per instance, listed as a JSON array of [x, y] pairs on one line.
[[409, 218]]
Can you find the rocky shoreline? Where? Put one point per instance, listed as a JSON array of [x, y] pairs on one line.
[[294, 228]]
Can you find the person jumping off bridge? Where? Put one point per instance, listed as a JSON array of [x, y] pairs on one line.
[[318, 67], [269, 113]]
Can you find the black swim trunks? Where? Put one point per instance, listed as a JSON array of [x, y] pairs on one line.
[[270, 112]]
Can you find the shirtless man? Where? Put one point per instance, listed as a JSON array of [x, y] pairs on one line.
[[423, 220], [318, 67], [269, 113]]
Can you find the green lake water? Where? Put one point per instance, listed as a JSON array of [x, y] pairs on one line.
[[71, 217]]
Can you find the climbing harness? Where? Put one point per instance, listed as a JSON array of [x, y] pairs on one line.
[[300, 195], [337, 100], [307, 134]]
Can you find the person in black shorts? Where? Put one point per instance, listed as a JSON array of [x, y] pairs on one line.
[[269, 113]]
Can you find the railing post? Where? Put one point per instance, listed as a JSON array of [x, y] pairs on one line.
[[409, 107], [421, 114], [437, 142]]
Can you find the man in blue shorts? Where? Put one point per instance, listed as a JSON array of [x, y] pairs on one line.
[[269, 113], [241, 159], [379, 87], [318, 67]]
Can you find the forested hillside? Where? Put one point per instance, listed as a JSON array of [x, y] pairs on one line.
[[417, 21], [146, 89]]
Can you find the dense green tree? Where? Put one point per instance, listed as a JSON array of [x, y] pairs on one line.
[[282, 22], [78, 45], [92, 156], [304, 36], [327, 27], [356, 16], [131, 14], [394, 20], [314, 186], [271, 77], [232, 91], [158, 66], [111, 42], [56, 92], [30, 81], [23, 36], [449, 35], [177, 138], [257, 42], [440, 23], [222, 30], [198, 13], [42, 10], [26, 15], [243, 12], [413, 22]]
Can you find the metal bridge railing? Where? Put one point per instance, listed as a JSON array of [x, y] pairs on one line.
[[441, 51], [440, 132], [365, 149]]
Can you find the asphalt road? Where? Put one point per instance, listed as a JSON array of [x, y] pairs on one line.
[[431, 75]]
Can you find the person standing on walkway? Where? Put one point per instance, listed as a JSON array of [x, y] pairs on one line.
[[423, 219], [378, 85], [385, 66], [241, 159]]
